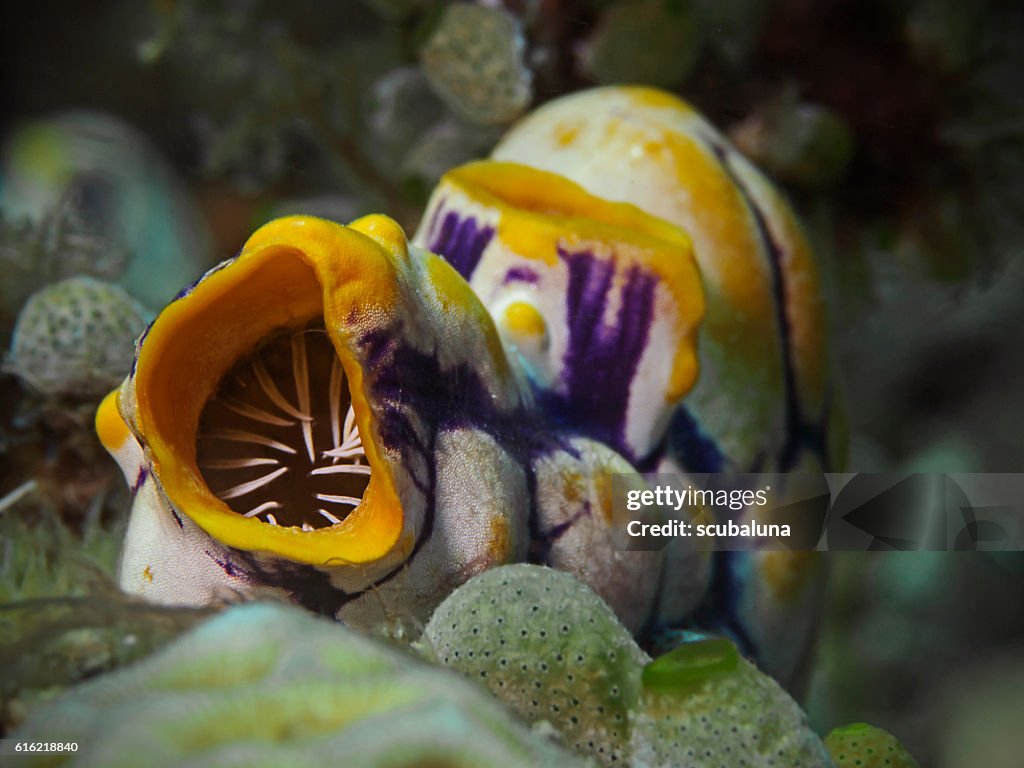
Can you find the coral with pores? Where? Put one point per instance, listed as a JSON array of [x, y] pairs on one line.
[[270, 685], [547, 646], [860, 745], [704, 706], [75, 337]]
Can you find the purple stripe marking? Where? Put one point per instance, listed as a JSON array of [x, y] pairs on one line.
[[412, 395], [432, 226], [801, 431], [140, 478], [448, 225], [521, 275], [461, 242], [601, 360]]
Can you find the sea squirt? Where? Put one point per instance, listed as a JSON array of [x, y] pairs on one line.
[[761, 401], [364, 425], [333, 415]]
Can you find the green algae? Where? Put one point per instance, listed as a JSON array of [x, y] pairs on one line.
[[691, 664]]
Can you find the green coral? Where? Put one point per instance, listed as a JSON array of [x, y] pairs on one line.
[[76, 337], [704, 706], [691, 665], [547, 646], [860, 745], [268, 684], [552, 650]]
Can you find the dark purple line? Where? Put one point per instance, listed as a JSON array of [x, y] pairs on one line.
[[448, 225], [800, 431], [462, 243], [140, 478], [432, 225], [521, 275]]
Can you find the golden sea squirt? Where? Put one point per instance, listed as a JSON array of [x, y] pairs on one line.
[[334, 415], [286, 425]]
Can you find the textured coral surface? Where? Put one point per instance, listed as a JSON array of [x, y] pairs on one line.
[[270, 685]]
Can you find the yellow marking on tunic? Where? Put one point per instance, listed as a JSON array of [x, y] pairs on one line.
[[737, 257], [523, 320], [542, 211], [147, 574], [566, 134], [603, 488], [453, 293], [500, 545], [572, 490], [385, 231], [110, 427]]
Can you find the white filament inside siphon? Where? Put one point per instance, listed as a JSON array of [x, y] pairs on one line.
[[278, 445]]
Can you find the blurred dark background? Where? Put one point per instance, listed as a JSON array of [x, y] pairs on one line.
[[896, 128]]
